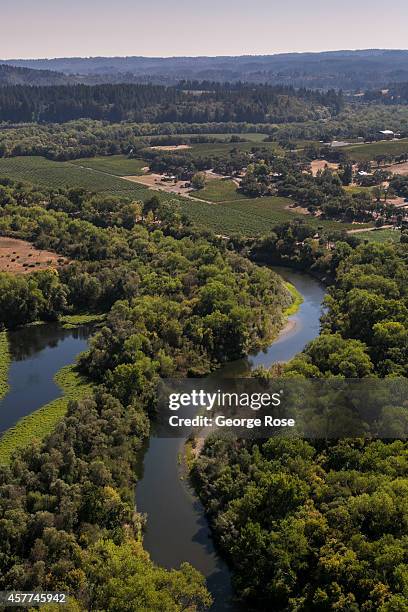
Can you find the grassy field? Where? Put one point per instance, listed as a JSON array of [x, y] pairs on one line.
[[357, 189], [297, 300], [368, 152], [256, 137], [42, 422], [222, 149], [380, 235], [4, 364], [120, 165], [220, 190]]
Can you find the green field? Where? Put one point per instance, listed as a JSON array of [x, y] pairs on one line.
[[251, 216], [219, 190], [252, 136], [222, 149], [47, 173], [368, 152], [357, 189], [380, 235], [119, 165]]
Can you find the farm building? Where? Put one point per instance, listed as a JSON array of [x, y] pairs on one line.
[[387, 134]]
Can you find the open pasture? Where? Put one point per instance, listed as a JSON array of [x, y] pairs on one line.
[[220, 190], [380, 235], [21, 257], [221, 149]]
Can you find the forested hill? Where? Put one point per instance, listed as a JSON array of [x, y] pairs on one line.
[[347, 70], [10, 75], [185, 103]]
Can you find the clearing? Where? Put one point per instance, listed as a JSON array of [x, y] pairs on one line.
[[156, 182], [220, 190], [171, 147], [21, 257], [381, 235], [397, 168], [321, 164]]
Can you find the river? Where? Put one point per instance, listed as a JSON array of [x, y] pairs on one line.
[[177, 528], [37, 353]]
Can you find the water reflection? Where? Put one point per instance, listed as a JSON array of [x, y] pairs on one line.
[[177, 529], [37, 353]]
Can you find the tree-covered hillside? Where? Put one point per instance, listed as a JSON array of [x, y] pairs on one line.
[[348, 70], [159, 104]]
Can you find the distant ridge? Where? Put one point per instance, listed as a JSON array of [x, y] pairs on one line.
[[349, 70], [11, 75]]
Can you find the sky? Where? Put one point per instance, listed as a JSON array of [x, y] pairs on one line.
[[66, 28]]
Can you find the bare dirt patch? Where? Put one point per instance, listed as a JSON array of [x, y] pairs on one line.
[[397, 168], [321, 164], [21, 257], [170, 147], [298, 209], [158, 182]]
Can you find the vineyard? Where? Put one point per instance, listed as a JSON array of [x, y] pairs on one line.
[[47, 173], [120, 165], [368, 152], [249, 216]]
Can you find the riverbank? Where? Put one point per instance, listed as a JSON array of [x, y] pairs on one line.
[[40, 423], [4, 364], [297, 300], [73, 321], [182, 532]]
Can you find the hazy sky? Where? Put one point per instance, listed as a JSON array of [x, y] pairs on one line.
[[55, 28]]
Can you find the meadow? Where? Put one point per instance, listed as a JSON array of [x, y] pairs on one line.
[[219, 190], [381, 235], [256, 137], [221, 149]]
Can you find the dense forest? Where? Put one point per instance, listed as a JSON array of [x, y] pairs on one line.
[[322, 526], [10, 75], [179, 302], [142, 103]]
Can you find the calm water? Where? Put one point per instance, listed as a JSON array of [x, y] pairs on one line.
[[177, 529], [37, 353]]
